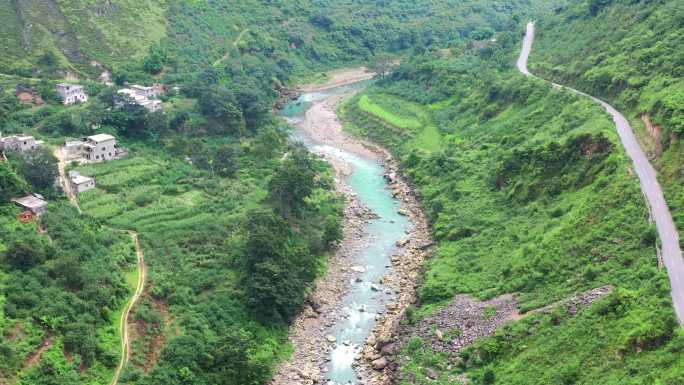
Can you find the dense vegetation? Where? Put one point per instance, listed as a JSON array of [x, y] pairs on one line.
[[628, 52], [49, 38], [527, 188], [529, 192], [63, 286]]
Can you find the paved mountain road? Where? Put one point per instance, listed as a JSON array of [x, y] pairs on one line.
[[671, 251]]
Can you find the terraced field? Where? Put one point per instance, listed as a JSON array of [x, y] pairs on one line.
[[404, 118], [139, 193]]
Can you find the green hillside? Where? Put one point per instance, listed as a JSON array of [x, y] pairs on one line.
[[45, 36], [630, 54], [527, 188], [519, 204]]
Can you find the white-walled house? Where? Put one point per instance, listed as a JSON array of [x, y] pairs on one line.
[[100, 147], [72, 93], [94, 148], [148, 92], [80, 183], [143, 96], [20, 143]]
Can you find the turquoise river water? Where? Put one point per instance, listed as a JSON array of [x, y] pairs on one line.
[[366, 297]]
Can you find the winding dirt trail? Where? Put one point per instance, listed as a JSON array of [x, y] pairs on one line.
[[61, 166], [667, 231], [235, 44], [142, 269], [140, 287]]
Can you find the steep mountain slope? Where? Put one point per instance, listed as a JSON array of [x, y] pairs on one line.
[[234, 222], [531, 194], [51, 37], [628, 52], [70, 35]]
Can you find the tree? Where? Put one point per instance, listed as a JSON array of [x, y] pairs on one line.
[[11, 185], [381, 65], [80, 338], [154, 63], [27, 251], [224, 162], [39, 169], [219, 105], [292, 182], [278, 267], [268, 142], [48, 92]]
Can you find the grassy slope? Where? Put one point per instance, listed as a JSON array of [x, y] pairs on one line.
[[629, 53], [191, 226], [565, 222], [78, 31], [23, 334]]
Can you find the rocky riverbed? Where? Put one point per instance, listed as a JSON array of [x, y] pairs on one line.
[[309, 333]]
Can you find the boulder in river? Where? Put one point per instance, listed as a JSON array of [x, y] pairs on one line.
[[403, 242], [380, 363]]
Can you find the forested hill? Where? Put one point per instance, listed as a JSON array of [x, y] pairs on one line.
[[47, 38], [235, 222], [629, 53], [535, 207]]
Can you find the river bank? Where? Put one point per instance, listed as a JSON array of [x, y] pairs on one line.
[[309, 333]]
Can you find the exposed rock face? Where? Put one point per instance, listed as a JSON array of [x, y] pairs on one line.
[[380, 363], [656, 133]]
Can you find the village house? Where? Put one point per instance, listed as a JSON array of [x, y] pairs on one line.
[[144, 96], [33, 203], [72, 93], [19, 143], [148, 92], [99, 147], [95, 148], [80, 183], [28, 95]]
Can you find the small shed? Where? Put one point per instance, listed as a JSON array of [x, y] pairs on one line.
[[33, 202]]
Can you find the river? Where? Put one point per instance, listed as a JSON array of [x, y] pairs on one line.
[[366, 297]]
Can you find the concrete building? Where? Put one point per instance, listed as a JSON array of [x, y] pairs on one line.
[[20, 143], [148, 92], [95, 148], [152, 105], [33, 202], [100, 147], [80, 183], [72, 93], [143, 96]]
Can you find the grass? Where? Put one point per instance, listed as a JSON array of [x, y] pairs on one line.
[[406, 117], [406, 121], [514, 211]]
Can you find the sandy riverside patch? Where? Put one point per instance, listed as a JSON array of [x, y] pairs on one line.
[[340, 78], [308, 331]]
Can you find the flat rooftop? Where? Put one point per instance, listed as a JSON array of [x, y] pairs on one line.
[[101, 138], [80, 179]]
